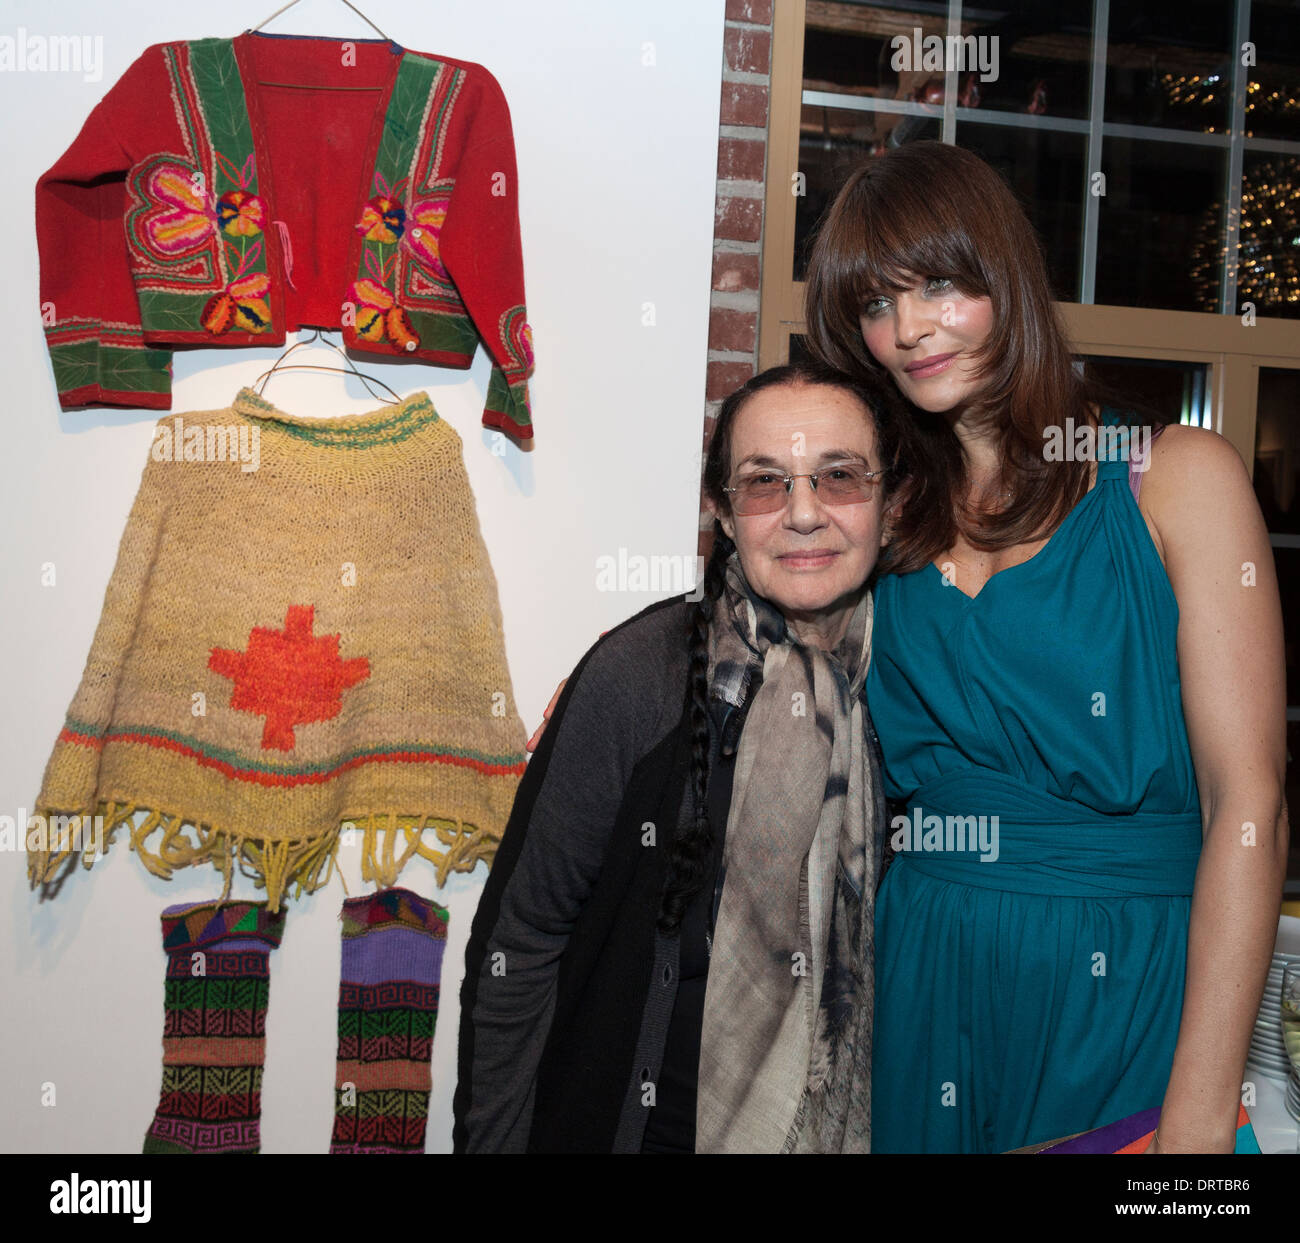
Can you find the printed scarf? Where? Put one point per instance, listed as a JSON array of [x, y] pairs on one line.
[[785, 1060]]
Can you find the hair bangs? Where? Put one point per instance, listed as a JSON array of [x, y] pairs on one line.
[[884, 236], [906, 242]]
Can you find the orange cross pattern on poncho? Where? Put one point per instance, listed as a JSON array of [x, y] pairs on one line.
[[290, 676]]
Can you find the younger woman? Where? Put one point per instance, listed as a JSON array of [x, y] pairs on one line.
[[1093, 667]]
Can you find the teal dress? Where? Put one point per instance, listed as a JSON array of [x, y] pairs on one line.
[[1029, 965]]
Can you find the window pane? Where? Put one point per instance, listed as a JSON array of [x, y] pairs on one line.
[[1160, 236], [1273, 93], [1168, 390], [1170, 64], [1277, 455], [833, 142], [1268, 272], [1046, 171], [1039, 63], [846, 47], [1044, 56]]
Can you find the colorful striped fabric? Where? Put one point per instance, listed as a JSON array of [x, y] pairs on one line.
[[1133, 1134], [393, 945], [214, 1027]]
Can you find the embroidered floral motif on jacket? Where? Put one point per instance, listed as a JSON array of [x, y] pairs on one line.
[[176, 215]]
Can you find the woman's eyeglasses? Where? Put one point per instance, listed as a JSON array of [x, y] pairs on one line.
[[763, 491]]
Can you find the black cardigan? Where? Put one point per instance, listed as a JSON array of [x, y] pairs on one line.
[[560, 1021], [569, 986]]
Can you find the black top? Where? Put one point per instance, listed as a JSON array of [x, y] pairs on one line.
[[560, 1022], [671, 1125], [570, 988]]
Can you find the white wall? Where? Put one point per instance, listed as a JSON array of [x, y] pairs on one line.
[[616, 171]]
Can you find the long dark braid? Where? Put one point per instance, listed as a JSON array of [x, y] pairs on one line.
[[690, 850], [689, 856]]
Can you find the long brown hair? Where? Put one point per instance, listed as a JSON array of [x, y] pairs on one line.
[[931, 210]]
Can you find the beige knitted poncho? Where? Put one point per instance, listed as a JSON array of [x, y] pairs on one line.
[[296, 646]]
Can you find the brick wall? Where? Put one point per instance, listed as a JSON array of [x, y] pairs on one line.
[[738, 215]]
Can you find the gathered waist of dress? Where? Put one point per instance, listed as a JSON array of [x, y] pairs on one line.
[[986, 829]]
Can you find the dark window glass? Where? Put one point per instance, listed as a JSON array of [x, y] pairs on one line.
[[1277, 456], [1046, 169], [1167, 390], [1044, 57], [848, 50], [832, 143], [1160, 235], [1170, 64], [1268, 271], [1041, 62], [1273, 92]]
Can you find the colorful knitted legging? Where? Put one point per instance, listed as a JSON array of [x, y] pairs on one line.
[[214, 1027], [393, 943]]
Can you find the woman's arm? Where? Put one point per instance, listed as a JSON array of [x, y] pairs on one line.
[[550, 857], [1216, 549]]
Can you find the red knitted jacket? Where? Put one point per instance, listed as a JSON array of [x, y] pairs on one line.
[[226, 191]]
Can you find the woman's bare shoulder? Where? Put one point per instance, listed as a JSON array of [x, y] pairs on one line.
[[1184, 459], [1194, 475]]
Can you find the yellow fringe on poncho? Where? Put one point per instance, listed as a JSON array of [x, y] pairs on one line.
[[291, 657]]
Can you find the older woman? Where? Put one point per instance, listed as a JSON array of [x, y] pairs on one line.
[[1094, 667], [678, 923]]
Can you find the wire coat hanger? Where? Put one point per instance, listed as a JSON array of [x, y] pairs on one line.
[[353, 7], [351, 369]]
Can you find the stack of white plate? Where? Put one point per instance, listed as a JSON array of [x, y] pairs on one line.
[[1293, 1095], [1267, 1052]]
